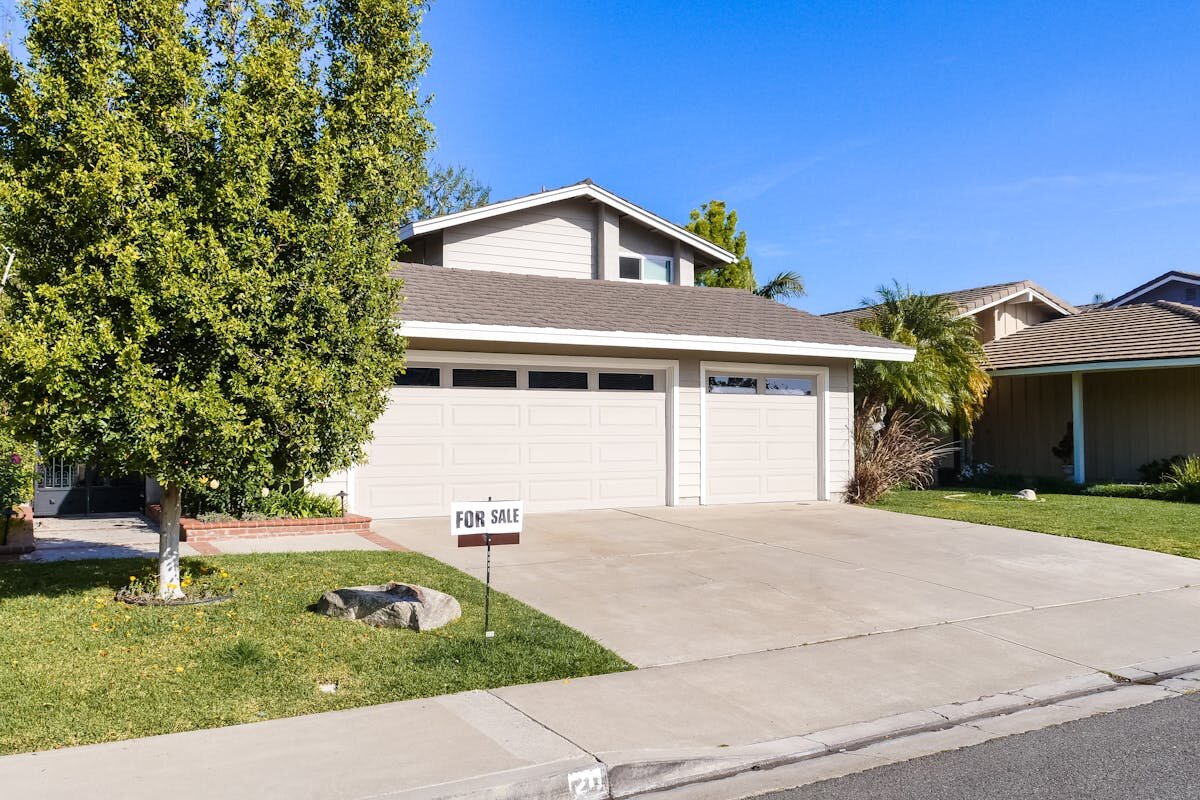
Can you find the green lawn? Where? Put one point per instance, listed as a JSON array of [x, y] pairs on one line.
[[78, 667], [1149, 524]]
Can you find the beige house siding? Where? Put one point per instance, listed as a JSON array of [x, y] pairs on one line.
[[688, 430], [841, 428], [1008, 318], [1023, 418], [1130, 418], [1013, 317], [1136, 416], [555, 240]]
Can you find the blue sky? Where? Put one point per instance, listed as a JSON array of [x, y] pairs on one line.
[[943, 144]]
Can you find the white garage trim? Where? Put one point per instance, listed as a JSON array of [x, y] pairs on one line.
[[669, 367], [672, 341], [822, 393]]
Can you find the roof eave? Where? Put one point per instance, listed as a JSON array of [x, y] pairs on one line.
[[588, 190], [659, 341], [1097, 366]]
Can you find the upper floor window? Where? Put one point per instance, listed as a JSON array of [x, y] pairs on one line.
[[656, 269]]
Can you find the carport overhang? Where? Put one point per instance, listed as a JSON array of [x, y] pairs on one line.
[[1077, 371]]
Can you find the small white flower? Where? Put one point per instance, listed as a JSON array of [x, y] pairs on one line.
[[265, 491], [214, 483]]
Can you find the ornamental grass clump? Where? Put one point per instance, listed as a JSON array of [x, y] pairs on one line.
[[1184, 479], [892, 452]]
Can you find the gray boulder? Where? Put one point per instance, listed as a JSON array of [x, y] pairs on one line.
[[392, 605]]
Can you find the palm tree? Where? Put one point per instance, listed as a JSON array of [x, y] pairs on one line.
[[947, 381], [783, 285]]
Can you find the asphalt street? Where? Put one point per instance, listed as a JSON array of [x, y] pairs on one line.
[[1144, 753]]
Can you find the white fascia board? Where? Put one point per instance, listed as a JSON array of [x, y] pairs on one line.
[[1168, 278], [657, 341], [587, 190], [1100, 366], [1033, 294]]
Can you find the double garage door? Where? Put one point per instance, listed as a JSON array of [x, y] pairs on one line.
[[563, 438], [556, 437]]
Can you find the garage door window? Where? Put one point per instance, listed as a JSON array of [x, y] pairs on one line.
[[796, 386], [732, 384], [485, 378], [626, 382], [557, 380], [420, 376]]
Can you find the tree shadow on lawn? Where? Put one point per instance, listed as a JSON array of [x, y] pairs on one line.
[[58, 578]]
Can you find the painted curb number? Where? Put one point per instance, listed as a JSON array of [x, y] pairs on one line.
[[588, 784]]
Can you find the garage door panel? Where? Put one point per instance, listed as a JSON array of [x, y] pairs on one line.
[[549, 490], [483, 414], [630, 453], [564, 453], [631, 417], [760, 447], [567, 416], [556, 449], [620, 488]]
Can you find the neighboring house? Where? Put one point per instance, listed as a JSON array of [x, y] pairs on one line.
[[559, 353], [1118, 381]]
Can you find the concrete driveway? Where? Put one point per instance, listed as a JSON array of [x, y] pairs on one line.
[[670, 585]]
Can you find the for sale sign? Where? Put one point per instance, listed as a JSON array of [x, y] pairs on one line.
[[500, 520]]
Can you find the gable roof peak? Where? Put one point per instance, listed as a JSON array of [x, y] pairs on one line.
[[586, 189]]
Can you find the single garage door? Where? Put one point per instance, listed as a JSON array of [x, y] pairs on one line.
[[560, 438], [760, 438]]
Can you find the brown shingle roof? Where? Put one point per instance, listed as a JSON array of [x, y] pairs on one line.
[[967, 300], [440, 294], [1132, 332]]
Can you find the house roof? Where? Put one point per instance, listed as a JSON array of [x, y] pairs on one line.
[[583, 189], [1154, 283], [971, 301], [1139, 332], [463, 303]]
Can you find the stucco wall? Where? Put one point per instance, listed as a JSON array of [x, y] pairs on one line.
[[1131, 417]]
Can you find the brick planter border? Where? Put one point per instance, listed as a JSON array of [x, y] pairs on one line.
[[193, 530]]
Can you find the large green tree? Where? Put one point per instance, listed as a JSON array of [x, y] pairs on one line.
[[451, 188], [712, 221], [946, 383], [204, 209]]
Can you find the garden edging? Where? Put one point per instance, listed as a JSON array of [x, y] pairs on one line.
[[193, 530]]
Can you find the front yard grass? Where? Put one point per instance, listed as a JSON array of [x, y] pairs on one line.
[[1147, 524], [77, 667]]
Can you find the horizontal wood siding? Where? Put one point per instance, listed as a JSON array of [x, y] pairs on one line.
[[557, 240], [1136, 416], [841, 428], [688, 467], [1023, 418]]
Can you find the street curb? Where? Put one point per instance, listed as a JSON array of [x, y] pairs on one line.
[[617, 775]]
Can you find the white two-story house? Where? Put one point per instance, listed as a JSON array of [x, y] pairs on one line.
[[560, 353]]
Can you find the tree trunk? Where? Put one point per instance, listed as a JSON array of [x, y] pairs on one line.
[[168, 544]]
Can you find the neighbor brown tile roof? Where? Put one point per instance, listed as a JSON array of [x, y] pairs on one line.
[[1133, 332], [441, 294], [967, 300]]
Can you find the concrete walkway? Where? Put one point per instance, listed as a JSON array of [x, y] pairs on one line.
[[765, 634]]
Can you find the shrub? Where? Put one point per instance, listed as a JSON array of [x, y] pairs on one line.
[[1159, 470], [1132, 491], [221, 503], [1184, 480], [897, 452], [300, 504]]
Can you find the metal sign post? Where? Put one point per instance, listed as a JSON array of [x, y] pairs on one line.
[[484, 524]]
